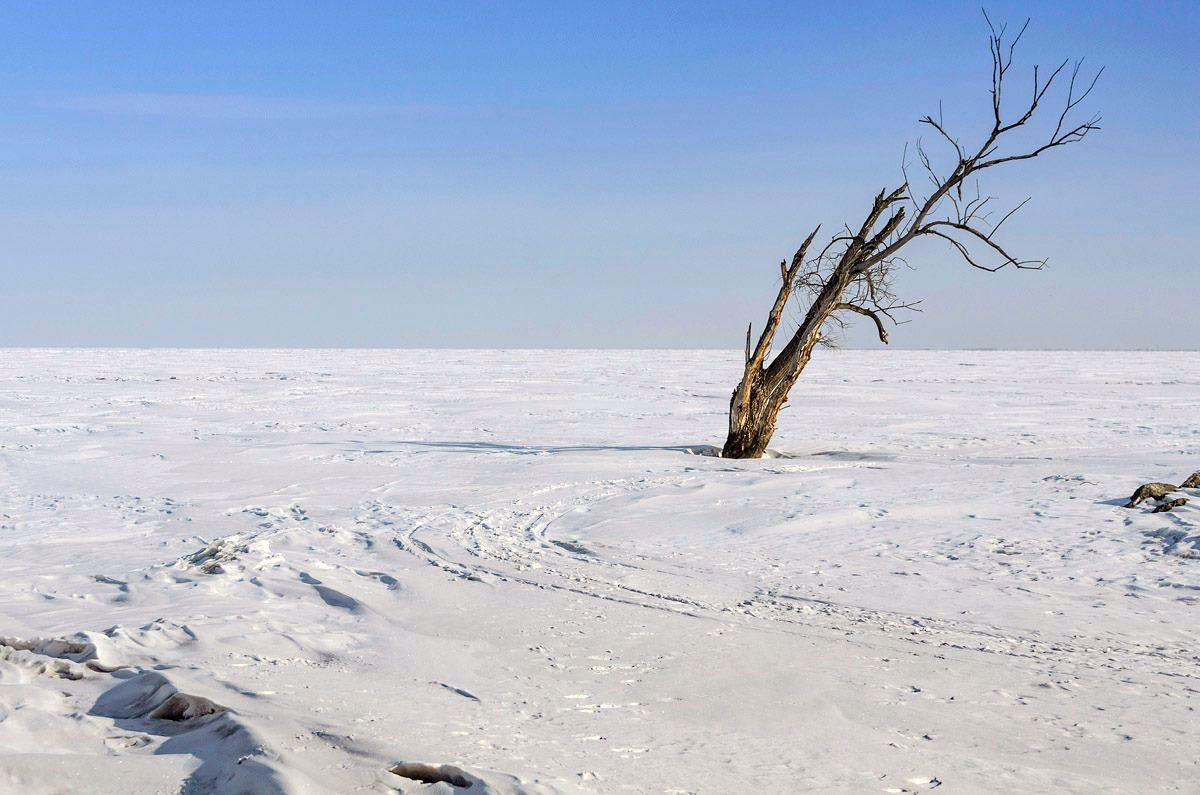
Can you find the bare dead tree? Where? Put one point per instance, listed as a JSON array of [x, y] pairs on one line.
[[853, 275]]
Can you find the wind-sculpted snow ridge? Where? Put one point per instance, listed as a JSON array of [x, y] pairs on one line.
[[70, 716], [420, 572]]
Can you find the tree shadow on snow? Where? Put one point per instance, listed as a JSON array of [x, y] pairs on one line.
[[705, 450], [529, 449]]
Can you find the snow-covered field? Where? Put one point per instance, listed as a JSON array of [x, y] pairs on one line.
[[512, 563]]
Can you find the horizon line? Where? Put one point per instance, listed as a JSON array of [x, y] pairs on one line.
[[563, 349]]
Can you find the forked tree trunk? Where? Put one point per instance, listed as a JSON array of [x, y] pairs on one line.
[[763, 390]]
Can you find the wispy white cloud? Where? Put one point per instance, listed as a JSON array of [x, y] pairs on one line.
[[230, 106]]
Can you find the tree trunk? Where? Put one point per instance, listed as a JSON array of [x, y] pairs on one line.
[[763, 391], [749, 430], [753, 411]]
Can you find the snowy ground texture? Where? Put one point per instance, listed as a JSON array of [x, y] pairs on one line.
[[291, 571]]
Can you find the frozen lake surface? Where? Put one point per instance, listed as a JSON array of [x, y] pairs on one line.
[[288, 571]]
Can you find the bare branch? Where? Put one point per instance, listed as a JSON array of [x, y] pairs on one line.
[[1008, 215], [862, 310], [993, 245]]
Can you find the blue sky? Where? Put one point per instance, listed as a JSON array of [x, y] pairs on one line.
[[561, 174]]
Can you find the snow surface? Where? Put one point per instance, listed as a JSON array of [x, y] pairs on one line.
[[293, 571]]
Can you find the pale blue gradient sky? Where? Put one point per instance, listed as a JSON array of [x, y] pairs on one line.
[[561, 174]]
